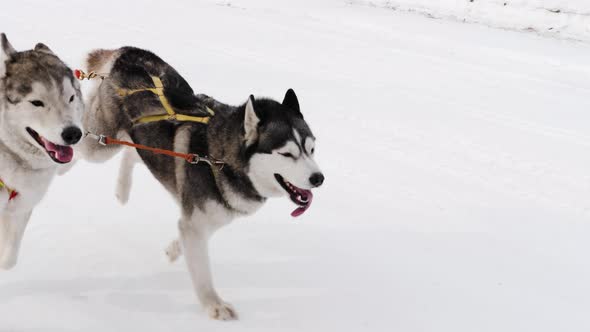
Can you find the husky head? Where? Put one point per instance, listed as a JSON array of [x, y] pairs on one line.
[[40, 104], [281, 148]]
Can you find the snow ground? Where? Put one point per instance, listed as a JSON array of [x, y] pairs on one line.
[[457, 160], [556, 18]]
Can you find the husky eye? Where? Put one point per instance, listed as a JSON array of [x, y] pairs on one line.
[[312, 150], [287, 154], [37, 103], [72, 98]]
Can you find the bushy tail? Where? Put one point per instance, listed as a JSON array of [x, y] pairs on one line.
[[97, 60]]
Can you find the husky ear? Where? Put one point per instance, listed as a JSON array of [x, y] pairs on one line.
[[291, 101], [6, 52], [251, 121], [40, 47]]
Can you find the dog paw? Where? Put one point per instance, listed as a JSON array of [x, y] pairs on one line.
[[174, 251], [122, 194], [222, 311], [7, 261]]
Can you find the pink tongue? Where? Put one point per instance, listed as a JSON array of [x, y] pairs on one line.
[[300, 210], [62, 153]]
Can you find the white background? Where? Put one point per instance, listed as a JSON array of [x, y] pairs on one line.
[[457, 162]]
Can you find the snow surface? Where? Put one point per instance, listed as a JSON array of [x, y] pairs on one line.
[[457, 162], [562, 18]]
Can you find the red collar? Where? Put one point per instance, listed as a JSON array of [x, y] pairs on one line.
[[12, 193]]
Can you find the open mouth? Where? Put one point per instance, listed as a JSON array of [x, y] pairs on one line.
[[59, 153], [301, 197]]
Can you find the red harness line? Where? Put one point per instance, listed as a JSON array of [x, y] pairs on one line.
[[192, 158]]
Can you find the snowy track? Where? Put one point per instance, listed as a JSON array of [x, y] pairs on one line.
[[557, 18], [457, 195]]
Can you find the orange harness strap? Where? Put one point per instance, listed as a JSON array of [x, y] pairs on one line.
[[192, 158], [186, 156]]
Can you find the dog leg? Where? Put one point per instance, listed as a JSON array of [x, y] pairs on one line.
[[125, 180], [195, 238], [174, 251], [12, 229]]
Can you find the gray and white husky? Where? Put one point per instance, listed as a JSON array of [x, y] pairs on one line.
[[267, 148], [40, 119]]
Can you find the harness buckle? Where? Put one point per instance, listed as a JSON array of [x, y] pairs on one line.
[[172, 117], [195, 159], [218, 164], [213, 163], [102, 140]]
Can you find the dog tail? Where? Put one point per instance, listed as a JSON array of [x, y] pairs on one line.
[[97, 60]]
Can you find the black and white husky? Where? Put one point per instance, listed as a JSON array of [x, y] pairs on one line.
[[267, 148], [40, 118]]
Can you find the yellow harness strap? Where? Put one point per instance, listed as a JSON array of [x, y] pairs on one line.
[[158, 90]]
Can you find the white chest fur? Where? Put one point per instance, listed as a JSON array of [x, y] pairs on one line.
[[31, 184]]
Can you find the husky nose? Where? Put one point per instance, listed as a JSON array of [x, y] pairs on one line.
[[71, 135], [316, 179]]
